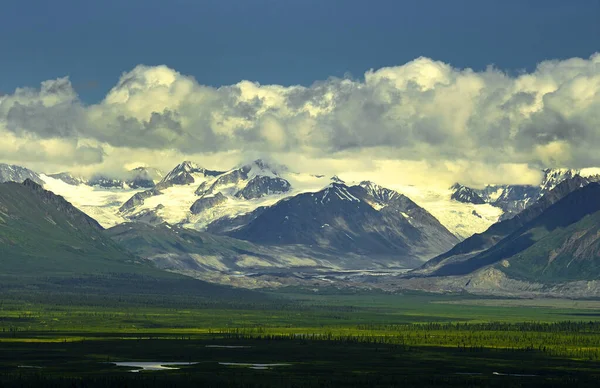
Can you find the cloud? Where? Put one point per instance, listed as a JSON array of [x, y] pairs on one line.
[[424, 113]]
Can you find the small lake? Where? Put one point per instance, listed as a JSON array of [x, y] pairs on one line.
[[152, 365], [252, 366]]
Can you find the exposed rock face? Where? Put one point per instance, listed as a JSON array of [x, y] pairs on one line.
[[138, 199], [513, 199], [11, 173], [183, 174], [466, 195], [260, 186], [367, 220], [106, 182], [207, 202], [149, 216]]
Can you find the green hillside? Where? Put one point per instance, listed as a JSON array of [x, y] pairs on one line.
[[42, 234], [561, 244], [571, 253], [47, 245]]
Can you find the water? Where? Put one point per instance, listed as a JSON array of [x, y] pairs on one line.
[[252, 366], [152, 365]]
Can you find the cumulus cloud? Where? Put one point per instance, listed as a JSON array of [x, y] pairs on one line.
[[467, 125]]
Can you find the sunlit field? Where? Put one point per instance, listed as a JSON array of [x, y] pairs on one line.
[[301, 339]]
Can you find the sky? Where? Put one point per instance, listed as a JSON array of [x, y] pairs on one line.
[[465, 89]]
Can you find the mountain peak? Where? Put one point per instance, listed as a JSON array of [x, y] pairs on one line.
[[12, 173], [553, 176], [337, 179], [264, 168], [465, 194], [188, 166], [31, 184], [380, 193]]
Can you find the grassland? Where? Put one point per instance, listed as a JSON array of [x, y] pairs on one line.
[[325, 340]]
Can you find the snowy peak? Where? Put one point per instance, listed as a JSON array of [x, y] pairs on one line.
[[465, 194], [342, 218], [12, 173], [379, 193], [336, 179], [106, 181], [184, 174], [260, 186], [139, 177], [336, 192], [259, 167], [554, 176]]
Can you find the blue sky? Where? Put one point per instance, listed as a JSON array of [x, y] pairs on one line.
[[221, 42]]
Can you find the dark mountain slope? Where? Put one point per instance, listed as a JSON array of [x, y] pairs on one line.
[[482, 241], [47, 244], [364, 219], [542, 234]]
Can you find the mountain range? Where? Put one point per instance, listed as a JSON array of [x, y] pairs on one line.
[[513, 199], [261, 224]]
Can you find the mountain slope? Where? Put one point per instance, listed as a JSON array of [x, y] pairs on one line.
[[364, 219], [544, 247], [482, 241], [49, 246], [193, 196], [513, 199], [12, 173], [177, 248], [40, 229], [466, 194]]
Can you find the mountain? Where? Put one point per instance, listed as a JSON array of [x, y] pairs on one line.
[[562, 243], [106, 181], [193, 196], [513, 199], [365, 219], [139, 177], [184, 174], [182, 249], [68, 178], [49, 246], [12, 173], [245, 188], [143, 177], [466, 194], [41, 231], [482, 241]]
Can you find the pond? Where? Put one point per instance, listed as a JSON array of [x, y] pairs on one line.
[[152, 365], [252, 366]]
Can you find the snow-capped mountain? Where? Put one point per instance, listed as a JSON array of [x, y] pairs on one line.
[[69, 178], [139, 177], [194, 196], [513, 199], [186, 173], [143, 177], [364, 219], [242, 190], [466, 194], [12, 173]]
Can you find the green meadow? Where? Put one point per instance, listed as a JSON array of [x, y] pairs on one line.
[[320, 339]]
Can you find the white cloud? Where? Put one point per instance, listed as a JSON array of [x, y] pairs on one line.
[[424, 116]]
